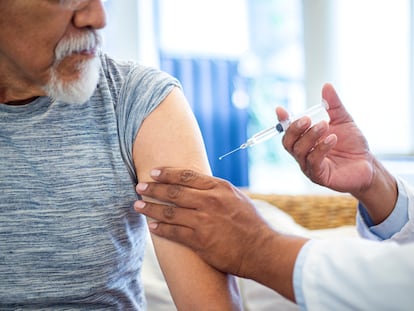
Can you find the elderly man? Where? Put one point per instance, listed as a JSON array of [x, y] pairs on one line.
[[78, 130]]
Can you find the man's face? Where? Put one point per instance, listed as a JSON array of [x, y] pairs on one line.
[[30, 32]]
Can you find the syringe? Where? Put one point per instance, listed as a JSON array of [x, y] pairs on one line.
[[316, 113]]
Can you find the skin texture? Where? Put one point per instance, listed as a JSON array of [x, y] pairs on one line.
[[338, 157], [221, 224], [169, 135], [21, 74], [193, 283]]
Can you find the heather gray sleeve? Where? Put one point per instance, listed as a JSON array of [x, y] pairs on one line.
[[144, 89]]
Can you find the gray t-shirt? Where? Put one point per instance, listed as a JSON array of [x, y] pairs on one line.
[[69, 237]]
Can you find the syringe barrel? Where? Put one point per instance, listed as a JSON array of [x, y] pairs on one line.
[[316, 113]]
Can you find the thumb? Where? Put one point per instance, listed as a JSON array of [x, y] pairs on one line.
[[336, 111]]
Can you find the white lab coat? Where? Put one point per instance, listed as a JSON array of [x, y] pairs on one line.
[[360, 274]]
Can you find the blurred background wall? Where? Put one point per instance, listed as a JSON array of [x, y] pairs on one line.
[[239, 59]]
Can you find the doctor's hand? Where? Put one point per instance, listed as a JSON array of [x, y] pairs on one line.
[[207, 214], [221, 224], [336, 155]]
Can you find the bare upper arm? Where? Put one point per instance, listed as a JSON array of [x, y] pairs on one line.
[[170, 137]]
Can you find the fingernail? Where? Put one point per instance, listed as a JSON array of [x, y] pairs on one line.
[[142, 186], [155, 173], [153, 225], [139, 204], [319, 128], [328, 140], [302, 123]]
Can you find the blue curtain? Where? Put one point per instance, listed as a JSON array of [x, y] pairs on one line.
[[209, 85]]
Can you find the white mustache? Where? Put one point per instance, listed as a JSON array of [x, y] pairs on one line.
[[88, 41]]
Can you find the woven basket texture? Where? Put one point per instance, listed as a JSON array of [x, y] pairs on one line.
[[314, 211]]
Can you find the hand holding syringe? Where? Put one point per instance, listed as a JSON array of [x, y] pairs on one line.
[[316, 113]]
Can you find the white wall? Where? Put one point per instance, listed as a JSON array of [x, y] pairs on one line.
[[364, 48], [130, 31]]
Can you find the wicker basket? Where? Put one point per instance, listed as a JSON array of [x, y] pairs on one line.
[[314, 211]]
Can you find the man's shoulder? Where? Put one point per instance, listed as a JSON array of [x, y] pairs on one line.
[[116, 68], [120, 70]]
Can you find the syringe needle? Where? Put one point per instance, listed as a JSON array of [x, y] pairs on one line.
[[228, 153]]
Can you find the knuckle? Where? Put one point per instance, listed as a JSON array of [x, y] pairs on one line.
[[212, 183], [219, 192], [219, 183], [169, 211], [204, 242], [173, 191], [201, 218], [188, 175], [213, 200], [226, 185]]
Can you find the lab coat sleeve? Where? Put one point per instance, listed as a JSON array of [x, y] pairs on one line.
[[359, 274], [400, 223]]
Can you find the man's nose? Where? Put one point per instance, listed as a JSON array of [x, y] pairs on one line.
[[91, 15]]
